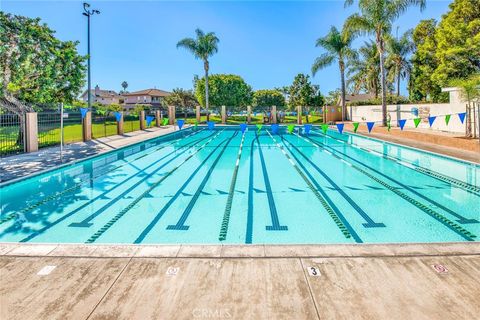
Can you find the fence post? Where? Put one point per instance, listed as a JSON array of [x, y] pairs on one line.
[[249, 114], [171, 115], [31, 132], [224, 114], [120, 129], [87, 126], [274, 114], [299, 115], [158, 119], [142, 120], [197, 111]]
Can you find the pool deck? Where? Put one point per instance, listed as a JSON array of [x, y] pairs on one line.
[[368, 281]]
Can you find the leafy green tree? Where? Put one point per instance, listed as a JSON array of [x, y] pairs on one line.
[[337, 47], [182, 98], [36, 67], [203, 47], [458, 42], [263, 98], [469, 91], [333, 96], [225, 90], [364, 70], [376, 17], [114, 107], [398, 62], [303, 93]]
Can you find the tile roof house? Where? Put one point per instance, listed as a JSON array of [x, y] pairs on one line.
[[104, 97], [151, 97], [356, 97]]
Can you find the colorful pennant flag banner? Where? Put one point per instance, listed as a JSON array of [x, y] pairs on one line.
[[165, 121], [275, 128], [307, 128], [290, 128], [417, 121], [370, 126], [118, 116], [324, 128], [83, 112], [401, 123], [447, 119], [259, 127], [431, 119], [195, 124], [461, 116], [355, 126], [210, 125], [243, 127], [149, 120], [180, 123], [340, 127]]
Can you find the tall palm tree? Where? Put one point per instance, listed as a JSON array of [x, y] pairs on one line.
[[364, 71], [376, 17], [397, 59], [125, 86], [203, 47], [337, 47]]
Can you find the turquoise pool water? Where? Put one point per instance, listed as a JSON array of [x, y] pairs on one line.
[[222, 186]]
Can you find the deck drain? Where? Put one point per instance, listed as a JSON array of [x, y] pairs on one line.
[[45, 271]]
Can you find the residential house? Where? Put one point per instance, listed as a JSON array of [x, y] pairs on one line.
[[104, 97], [356, 97], [152, 97]]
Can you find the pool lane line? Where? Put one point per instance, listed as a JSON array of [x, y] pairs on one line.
[[164, 209], [467, 235], [370, 223], [68, 190], [249, 227], [228, 206], [268, 188], [180, 225], [49, 225], [106, 226], [327, 203], [412, 166], [461, 219]]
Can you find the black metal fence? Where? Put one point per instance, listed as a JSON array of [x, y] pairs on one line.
[[131, 122], [11, 134], [103, 125]]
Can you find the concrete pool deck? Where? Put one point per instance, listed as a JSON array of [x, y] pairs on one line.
[[368, 281]]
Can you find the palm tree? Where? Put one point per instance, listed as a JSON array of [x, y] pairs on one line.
[[376, 17], [203, 47], [364, 70], [397, 58], [124, 86], [337, 46]]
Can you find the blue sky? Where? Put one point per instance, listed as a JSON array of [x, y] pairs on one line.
[[267, 43]]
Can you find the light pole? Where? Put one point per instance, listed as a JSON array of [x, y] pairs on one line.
[[89, 13]]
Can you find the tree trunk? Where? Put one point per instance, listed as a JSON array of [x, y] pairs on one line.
[[398, 82], [342, 77], [383, 80], [206, 67]]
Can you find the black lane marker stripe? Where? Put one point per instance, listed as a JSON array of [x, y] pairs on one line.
[[467, 235], [74, 187], [370, 222], [461, 219], [268, 188], [117, 217], [49, 225], [249, 231], [324, 199], [228, 206], [160, 214]]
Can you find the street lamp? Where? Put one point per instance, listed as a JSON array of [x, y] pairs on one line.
[[89, 13]]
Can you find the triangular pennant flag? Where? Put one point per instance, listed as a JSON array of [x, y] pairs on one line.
[[83, 112], [447, 119], [165, 121], [195, 124], [274, 128], [149, 120], [324, 128], [118, 116], [355, 126], [370, 126], [462, 116], [259, 127], [180, 123], [307, 128], [340, 127], [290, 128], [211, 125], [431, 119], [401, 123], [417, 121], [243, 127]]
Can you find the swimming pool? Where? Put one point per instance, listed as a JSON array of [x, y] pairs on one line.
[[225, 186]]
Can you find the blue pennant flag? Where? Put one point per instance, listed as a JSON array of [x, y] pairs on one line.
[[401, 123], [118, 116], [294, 114], [149, 120], [243, 127], [210, 124], [431, 119], [462, 116], [254, 114], [83, 112], [274, 128], [370, 126], [340, 127], [307, 128], [180, 123]]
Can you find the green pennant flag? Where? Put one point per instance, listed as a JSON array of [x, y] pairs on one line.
[[389, 126], [324, 128], [165, 121], [417, 121], [290, 128], [447, 119], [355, 126], [195, 123], [259, 127]]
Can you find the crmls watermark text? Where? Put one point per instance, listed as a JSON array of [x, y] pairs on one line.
[[206, 313]]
